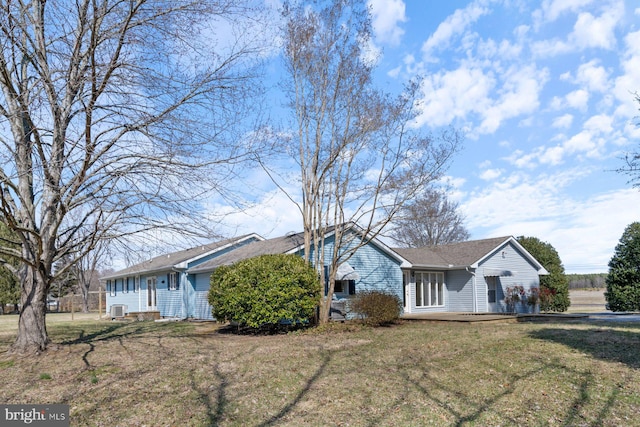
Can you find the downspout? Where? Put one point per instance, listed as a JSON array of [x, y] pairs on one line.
[[473, 289]]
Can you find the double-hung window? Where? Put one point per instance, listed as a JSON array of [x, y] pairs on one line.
[[429, 288], [173, 282]]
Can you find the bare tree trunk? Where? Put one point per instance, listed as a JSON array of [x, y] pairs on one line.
[[32, 327]]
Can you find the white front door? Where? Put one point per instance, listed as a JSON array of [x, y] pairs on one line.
[[152, 304]]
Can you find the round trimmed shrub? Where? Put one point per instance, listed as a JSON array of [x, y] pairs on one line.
[[377, 308], [265, 290]]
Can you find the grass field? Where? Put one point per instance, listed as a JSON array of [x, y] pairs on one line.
[[414, 373]]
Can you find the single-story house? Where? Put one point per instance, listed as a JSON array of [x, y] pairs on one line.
[[470, 276], [464, 277], [163, 285]]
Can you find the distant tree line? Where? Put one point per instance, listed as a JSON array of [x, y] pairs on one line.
[[582, 281]]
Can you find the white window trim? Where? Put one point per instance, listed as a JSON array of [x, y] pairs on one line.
[[173, 281], [426, 286], [136, 284]]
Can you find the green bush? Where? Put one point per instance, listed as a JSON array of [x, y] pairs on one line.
[[623, 280], [376, 308], [554, 285], [265, 290]]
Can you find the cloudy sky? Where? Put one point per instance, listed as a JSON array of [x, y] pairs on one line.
[[545, 93]]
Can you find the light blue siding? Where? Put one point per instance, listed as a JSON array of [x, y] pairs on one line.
[[169, 302], [523, 273], [128, 298], [201, 307], [459, 291]]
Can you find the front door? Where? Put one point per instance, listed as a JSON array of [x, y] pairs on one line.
[[151, 294], [491, 293]]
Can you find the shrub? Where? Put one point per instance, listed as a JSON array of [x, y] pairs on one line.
[[623, 280], [556, 282], [265, 290], [377, 308]]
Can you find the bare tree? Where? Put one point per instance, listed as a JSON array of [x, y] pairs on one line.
[[117, 116], [632, 160], [431, 219], [359, 156]]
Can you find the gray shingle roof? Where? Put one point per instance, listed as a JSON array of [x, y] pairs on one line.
[[278, 245], [453, 254], [168, 261]]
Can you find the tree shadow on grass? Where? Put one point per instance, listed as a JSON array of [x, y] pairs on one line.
[[603, 343], [326, 358]]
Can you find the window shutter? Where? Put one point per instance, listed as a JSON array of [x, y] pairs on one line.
[[352, 287]]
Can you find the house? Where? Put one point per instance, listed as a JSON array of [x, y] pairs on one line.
[[464, 277], [177, 284], [470, 276], [163, 286]]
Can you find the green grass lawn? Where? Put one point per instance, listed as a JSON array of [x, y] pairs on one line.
[[442, 374]]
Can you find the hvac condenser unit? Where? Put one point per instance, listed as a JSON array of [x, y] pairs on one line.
[[118, 310]]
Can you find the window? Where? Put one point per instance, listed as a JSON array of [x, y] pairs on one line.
[[345, 287], [491, 289], [173, 282], [125, 285], [136, 284], [429, 289], [111, 287]]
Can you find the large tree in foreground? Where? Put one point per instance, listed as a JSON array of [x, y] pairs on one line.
[[428, 220], [115, 114], [359, 154], [623, 280], [554, 287]]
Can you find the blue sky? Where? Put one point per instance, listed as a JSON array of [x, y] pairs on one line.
[[543, 90]]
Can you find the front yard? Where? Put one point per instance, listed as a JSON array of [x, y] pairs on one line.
[[155, 374]]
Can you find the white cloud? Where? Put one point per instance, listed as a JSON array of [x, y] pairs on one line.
[[518, 95], [552, 9], [490, 174], [272, 215], [387, 15], [597, 32], [453, 94], [584, 230], [563, 121], [455, 24], [589, 31], [629, 82], [594, 76], [578, 99]]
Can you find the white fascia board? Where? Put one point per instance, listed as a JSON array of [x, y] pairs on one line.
[[541, 270]]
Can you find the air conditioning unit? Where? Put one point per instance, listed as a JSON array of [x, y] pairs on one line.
[[118, 310]]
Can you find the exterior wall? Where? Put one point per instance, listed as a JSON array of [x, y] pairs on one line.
[[130, 298], [169, 303], [201, 308], [377, 270], [459, 291], [523, 272]]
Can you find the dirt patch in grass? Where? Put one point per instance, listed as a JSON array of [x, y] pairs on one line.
[[187, 374]]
